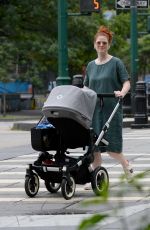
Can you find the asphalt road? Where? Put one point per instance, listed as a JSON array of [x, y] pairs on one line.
[[52, 211]]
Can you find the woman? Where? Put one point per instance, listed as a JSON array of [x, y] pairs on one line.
[[107, 74]]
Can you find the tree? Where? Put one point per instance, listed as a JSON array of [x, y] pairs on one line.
[[29, 46], [28, 36], [144, 53]]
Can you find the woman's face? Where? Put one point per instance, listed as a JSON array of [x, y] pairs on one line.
[[101, 44]]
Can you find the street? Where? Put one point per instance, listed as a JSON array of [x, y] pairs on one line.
[[48, 210]]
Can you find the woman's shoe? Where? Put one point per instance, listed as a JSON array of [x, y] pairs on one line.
[[87, 186], [128, 172]]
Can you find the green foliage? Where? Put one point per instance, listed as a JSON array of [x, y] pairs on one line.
[[147, 227], [121, 46], [90, 222], [28, 39], [135, 185], [108, 4], [144, 53], [28, 31]]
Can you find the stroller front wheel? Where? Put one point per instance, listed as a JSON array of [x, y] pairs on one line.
[[32, 185], [52, 187], [66, 189], [100, 181]]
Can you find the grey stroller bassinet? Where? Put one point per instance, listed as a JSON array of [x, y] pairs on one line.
[[70, 109], [71, 102]]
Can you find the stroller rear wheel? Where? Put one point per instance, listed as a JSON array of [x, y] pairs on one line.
[[32, 185], [67, 189], [100, 181], [52, 187]]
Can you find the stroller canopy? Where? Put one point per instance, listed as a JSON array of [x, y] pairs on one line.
[[71, 102]]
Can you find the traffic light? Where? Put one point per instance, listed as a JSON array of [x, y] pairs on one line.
[[89, 6], [148, 24]]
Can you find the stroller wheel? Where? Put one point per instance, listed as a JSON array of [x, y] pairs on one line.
[[32, 185], [100, 181], [52, 187], [66, 189]]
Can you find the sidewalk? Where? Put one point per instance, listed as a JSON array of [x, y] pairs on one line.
[[21, 115], [57, 212], [27, 119], [22, 120], [28, 124]]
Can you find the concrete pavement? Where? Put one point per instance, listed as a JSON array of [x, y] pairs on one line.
[[48, 210]]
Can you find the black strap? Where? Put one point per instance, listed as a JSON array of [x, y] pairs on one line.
[[101, 102]]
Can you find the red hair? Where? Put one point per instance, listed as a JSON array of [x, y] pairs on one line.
[[105, 32]]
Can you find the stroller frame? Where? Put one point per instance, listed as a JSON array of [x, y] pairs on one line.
[[65, 172]]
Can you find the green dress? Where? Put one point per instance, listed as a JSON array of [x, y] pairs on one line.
[[107, 78]]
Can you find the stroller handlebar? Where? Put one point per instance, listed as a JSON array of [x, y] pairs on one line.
[[106, 95], [102, 95]]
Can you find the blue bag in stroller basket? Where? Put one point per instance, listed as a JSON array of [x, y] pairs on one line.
[[44, 136], [44, 124]]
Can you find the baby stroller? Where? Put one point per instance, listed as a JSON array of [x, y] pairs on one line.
[[67, 119]]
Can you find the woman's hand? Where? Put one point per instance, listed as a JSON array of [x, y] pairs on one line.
[[125, 89], [119, 94]]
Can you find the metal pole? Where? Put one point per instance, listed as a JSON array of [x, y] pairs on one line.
[[4, 104], [140, 115], [63, 78], [134, 50], [0, 105]]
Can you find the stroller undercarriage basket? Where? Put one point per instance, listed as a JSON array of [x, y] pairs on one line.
[[66, 136], [44, 139]]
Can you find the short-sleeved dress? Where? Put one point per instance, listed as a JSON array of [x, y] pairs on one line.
[[107, 78]]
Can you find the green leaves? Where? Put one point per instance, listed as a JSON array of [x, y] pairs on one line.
[[29, 38], [90, 222], [135, 186]]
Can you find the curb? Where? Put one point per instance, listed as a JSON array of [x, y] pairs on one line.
[[24, 125], [27, 125]]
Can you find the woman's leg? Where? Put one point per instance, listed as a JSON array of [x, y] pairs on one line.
[[96, 163], [97, 160], [124, 162], [120, 158]]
